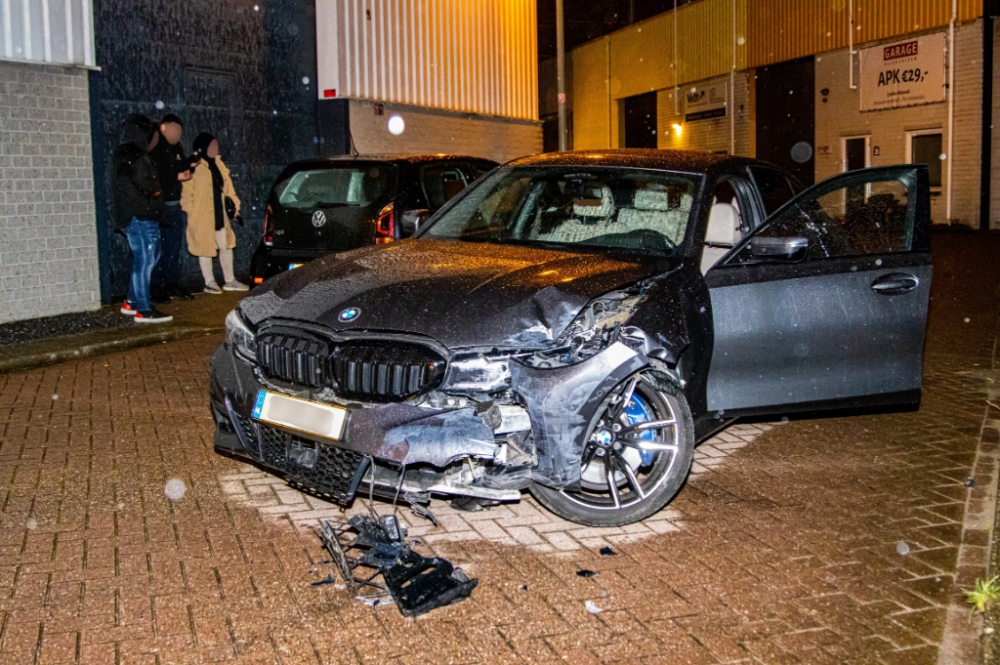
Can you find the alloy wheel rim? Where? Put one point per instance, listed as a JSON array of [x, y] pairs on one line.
[[631, 451]]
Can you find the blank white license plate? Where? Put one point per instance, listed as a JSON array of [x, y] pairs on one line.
[[300, 414]]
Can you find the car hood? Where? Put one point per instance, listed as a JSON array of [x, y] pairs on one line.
[[461, 294]]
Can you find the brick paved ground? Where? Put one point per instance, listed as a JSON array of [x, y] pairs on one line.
[[785, 551]]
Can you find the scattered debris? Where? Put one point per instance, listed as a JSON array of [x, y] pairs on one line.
[[472, 504], [902, 548], [418, 502], [587, 573], [329, 580], [375, 601], [175, 489], [607, 551], [592, 608], [365, 547], [523, 587], [31, 524], [970, 482]]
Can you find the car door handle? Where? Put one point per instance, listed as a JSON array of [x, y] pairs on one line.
[[895, 284]]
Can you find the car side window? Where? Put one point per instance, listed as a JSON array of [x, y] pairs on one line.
[[868, 216], [479, 169], [442, 182], [775, 189]]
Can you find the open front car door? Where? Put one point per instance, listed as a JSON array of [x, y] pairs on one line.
[[825, 304]]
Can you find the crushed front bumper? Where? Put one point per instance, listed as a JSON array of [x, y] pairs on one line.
[[401, 435]]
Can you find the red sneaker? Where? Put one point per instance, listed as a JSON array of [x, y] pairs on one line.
[[127, 309]]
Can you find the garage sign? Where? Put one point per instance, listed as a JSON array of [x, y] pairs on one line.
[[907, 73], [704, 102]]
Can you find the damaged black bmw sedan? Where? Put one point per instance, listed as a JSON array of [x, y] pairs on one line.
[[574, 324]]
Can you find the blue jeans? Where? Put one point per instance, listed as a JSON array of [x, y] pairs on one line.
[[167, 273], [144, 241]]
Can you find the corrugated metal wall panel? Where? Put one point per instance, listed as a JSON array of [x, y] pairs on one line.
[[592, 99], [705, 33], [641, 57], [783, 30], [47, 31], [788, 29], [878, 19], [474, 56]]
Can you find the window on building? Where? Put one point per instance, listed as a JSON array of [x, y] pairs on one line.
[[925, 148]]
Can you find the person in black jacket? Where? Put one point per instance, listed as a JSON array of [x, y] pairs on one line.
[[138, 210], [173, 167]]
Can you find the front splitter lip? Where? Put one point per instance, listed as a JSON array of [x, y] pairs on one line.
[[401, 434]]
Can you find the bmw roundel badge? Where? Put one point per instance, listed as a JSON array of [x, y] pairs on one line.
[[319, 218], [349, 314]]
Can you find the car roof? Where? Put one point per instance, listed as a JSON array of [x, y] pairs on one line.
[[688, 161], [399, 158]]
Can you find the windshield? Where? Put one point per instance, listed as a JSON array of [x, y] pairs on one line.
[[352, 186], [596, 207]]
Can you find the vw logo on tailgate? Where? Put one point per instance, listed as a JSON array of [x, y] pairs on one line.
[[319, 218]]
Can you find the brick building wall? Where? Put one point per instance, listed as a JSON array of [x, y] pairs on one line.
[[434, 131], [48, 241], [839, 115], [712, 134]]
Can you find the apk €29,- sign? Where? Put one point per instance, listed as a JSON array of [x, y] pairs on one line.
[[907, 73]]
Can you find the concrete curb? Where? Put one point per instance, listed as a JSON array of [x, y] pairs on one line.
[[75, 347]]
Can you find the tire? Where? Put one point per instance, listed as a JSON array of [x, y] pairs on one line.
[[657, 474]]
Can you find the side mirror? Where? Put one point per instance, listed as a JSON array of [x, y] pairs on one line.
[[411, 220], [789, 249]]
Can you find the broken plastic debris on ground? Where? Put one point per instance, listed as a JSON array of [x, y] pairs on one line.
[[370, 546]]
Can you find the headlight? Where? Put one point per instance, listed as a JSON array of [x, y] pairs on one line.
[[594, 329], [239, 335]]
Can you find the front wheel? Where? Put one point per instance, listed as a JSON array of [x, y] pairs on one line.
[[637, 456]]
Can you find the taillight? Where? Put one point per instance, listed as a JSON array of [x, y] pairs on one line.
[[268, 234], [385, 226]]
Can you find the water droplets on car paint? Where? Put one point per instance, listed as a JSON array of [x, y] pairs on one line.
[[902, 548], [175, 489]]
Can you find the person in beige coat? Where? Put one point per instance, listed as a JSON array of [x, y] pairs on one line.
[[209, 229]]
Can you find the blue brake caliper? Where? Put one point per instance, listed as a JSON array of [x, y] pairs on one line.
[[637, 411]]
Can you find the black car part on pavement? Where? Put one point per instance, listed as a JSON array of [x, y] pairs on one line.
[[364, 548]]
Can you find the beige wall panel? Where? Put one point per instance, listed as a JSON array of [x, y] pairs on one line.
[[591, 98], [712, 135], [436, 131], [840, 116]]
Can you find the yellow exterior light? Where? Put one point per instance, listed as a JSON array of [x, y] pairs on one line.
[[678, 130]]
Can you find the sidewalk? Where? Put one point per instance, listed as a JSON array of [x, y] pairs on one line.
[[205, 315]]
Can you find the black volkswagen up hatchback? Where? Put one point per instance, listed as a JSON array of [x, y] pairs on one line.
[[320, 206]]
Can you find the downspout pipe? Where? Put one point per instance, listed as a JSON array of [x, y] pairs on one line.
[[850, 44], [561, 75], [990, 10], [732, 91], [950, 161]]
